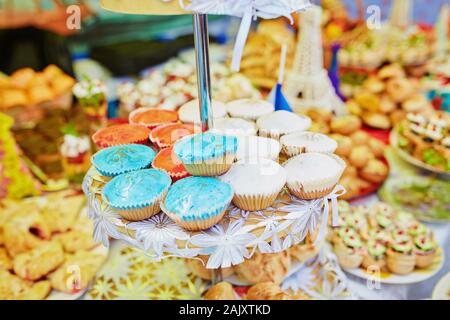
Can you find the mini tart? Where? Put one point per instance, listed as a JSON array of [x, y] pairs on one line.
[[116, 160], [197, 203], [168, 162], [190, 111], [257, 147], [278, 123], [249, 109], [151, 118], [400, 258], [221, 291], [206, 154], [120, 134], [375, 255], [234, 127], [137, 195], [256, 183], [313, 175], [349, 252], [425, 251], [166, 135], [342, 232], [303, 142]]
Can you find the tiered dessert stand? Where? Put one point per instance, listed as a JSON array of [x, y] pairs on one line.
[[286, 223]]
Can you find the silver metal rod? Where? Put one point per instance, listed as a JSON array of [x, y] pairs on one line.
[[201, 39]]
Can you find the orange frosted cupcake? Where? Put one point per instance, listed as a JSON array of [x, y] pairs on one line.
[[168, 162], [151, 118], [167, 134], [120, 134]]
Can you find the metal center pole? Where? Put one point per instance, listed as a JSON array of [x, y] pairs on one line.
[[201, 40]]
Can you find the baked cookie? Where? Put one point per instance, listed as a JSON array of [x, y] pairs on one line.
[[221, 291], [76, 272], [263, 291], [345, 125], [38, 262], [73, 241], [60, 213], [25, 230], [5, 261], [15, 288], [264, 267]]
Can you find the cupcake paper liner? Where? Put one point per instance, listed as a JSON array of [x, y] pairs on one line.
[[142, 213], [400, 263], [293, 150], [254, 202], [103, 145], [212, 167], [270, 134], [424, 261], [297, 190]]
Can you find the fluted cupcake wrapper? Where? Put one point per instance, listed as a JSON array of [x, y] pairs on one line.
[[425, 260], [292, 151], [270, 134], [254, 202], [400, 263], [137, 212], [104, 145], [297, 190], [197, 223], [110, 174], [212, 167]]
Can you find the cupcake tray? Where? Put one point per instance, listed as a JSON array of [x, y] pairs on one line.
[[238, 235]]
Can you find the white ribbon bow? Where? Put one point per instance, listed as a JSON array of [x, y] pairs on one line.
[[332, 197], [247, 10]]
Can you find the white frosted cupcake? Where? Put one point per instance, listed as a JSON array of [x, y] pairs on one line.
[[256, 183], [249, 109], [313, 175], [234, 127], [279, 123], [257, 147], [301, 142], [190, 113]]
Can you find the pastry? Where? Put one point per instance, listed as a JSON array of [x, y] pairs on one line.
[[137, 195], [221, 291], [24, 231], [116, 160], [40, 94], [261, 267], [234, 127], [257, 147], [60, 213], [263, 291], [38, 262], [313, 175], [345, 125], [151, 118], [375, 256], [425, 251], [206, 154], [301, 142], [278, 123], [249, 109], [256, 183], [417, 102], [374, 84], [167, 161], [399, 89], [197, 203], [21, 78], [120, 134], [5, 260], [377, 147], [400, 256], [166, 135], [349, 251], [344, 144], [198, 268], [386, 104], [374, 171], [359, 137], [367, 101], [76, 272], [377, 120], [360, 156], [73, 241], [190, 111], [62, 84], [15, 288], [391, 71]]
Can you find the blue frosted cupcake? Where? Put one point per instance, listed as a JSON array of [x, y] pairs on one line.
[[137, 195], [206, 154], [116, 160], [197, 203]]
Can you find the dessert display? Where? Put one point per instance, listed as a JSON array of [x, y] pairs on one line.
[[364, 154], [383, 237], [425, 138], [262, 52], [41, 239], [175, 84], [25, 93], [386, 97]]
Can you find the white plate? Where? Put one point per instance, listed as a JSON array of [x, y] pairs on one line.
[[418, 275], [442, 289]]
